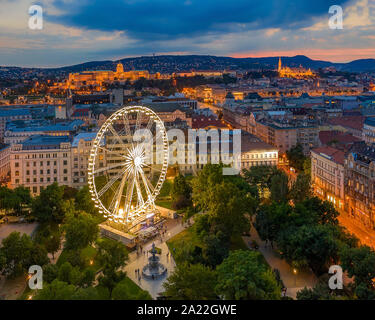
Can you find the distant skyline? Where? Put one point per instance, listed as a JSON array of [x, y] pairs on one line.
[[80, 31]]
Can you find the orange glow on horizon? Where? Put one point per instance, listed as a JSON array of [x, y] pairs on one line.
[[333, 55]]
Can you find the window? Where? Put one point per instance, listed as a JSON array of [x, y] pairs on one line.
[[17, 164], [65, 171], [65, 162], [35, 189], [17, 173], [27, 172], [65, 178]]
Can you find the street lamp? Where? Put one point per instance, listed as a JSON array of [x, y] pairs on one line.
[[295, 276]]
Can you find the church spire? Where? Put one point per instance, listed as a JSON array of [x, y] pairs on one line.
[[279, 68]]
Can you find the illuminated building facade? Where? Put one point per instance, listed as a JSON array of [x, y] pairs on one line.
[[296, 73], [327, 174], [96, 78]]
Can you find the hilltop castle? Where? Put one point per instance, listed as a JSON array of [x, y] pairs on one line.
[[296, 73]]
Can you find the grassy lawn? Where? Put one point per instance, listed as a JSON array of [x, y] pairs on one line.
[[88, 254], [134, 292], [164, 203]]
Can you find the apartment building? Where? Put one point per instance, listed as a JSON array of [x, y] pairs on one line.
[[4, 162], [286, 134], [80, 151], [327, 174], [360, 182], [40, 161], [16, 132], [12, 115]]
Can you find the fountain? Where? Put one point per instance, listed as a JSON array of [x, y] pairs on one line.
[[154, 269]]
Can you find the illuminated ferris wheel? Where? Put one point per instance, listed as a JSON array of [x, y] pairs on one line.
[[128, 164]]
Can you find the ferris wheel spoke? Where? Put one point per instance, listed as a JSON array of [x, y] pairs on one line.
[[139, 193], [111, 182], [118, 194], [150, 123], [115, 134], [146, 184], [111, 151], [126, 125], [109, 168], [137, 123], [153, 168], [129, 194]]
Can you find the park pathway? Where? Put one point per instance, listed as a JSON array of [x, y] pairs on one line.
[[293, 279]]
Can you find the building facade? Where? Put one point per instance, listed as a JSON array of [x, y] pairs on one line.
[[360, 183], [40, 161], [327, 174]]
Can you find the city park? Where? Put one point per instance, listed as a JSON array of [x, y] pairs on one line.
[[136, 233]]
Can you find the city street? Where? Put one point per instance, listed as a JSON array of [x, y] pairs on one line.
[[364, 234]]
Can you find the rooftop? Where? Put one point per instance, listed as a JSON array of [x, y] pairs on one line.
[[86, 136], [15, 112], [327, 137], [44, 142], [42, 125], [353, 122], [330, 153]]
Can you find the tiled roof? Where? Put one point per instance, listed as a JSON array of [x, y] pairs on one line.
[[333, 154], [354, 122], [327, 137], [201, 122]]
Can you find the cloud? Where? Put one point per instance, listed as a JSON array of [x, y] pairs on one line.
[[78, 31], [165, 19]]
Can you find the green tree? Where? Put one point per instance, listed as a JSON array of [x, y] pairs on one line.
[[21, 198], [203, 184], [84, 202], [19, 253], [111, 254], [49, 205], [56, 290], [243, 276], [53, 243], [127, 290], [301, 188], [360, 264], [181, 192], [64, 272], [309, 246], [227, 208], [216, 248], [50, 272], [80, 231], [191, 282], [279, 188], [110, 279], [296, 157]]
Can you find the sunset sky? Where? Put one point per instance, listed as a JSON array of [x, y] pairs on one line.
[[85, 30]]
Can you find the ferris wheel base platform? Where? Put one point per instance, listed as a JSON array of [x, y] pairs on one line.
[[109, 232]]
